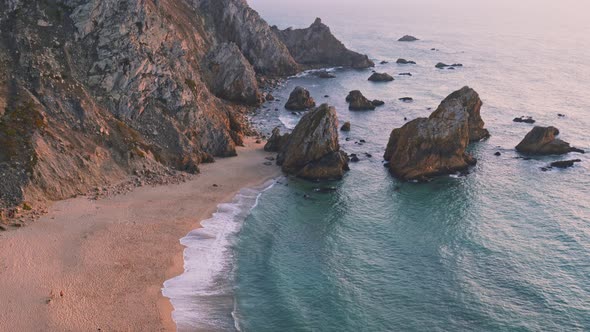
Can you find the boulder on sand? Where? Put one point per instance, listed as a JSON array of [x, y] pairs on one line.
[[358, 102], [312, 151], [543, 141], [381, 77], [427, 147], [300, 100]]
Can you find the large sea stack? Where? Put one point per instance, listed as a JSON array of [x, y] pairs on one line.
[[316, 46], [92, 90], [312, 150], [428, 147]]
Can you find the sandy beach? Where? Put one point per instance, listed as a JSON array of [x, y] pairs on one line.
[[100, 265]]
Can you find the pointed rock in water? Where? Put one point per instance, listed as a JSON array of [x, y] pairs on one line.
[[358, 102], [230, 76], [408, 38], [381, 77], [312, 151], [543, 141], [427, 147], [300, 100], [316, 46], [469, 100], [402, 61]]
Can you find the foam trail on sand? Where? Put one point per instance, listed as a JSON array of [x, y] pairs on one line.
[[203, 295]]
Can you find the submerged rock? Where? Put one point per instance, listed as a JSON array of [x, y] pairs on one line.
[[402, 61], [316, 46], [406, 99], [408, 38], [543, 141], [312, 151], [300, 100], [358, 102], [405, 74], [324, 74], [427, 147], [377, 102], [442, 65], [381, 77]]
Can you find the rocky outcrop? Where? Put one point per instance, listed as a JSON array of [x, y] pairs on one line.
[[316, 47], [234, 21], [277, 141], [345, 126], [408, 38], [230, 76], [543, 141], [358, 102], [402, 61], [469, 100], [381, 77], [92, 90], [300, 100], [524, 119], [312, 151], [427, 147]]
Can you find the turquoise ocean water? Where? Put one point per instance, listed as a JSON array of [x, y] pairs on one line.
[[505, 248]]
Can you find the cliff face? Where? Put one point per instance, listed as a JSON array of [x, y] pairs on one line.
[[91, 90]]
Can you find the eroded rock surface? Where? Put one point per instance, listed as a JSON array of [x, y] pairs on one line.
[[312, 151], [358, 102], [428, 147], [543, 141], [300, 100]]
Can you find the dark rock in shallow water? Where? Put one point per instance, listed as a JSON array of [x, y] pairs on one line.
[[316, 47], [408, 38], [345, 126], [427, 147], [324, 74], [565, 163], [300, 100], [497, 154], [543, 141], [405, 62], [358, 102], [378, 102], [406, 99], [269, 97], [312, 151], [405, 74], [442, 65], [561, 115], [354, 158], [524, 119], [384, 62], [381, 77]]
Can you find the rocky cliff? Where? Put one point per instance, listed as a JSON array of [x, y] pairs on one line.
[[93, 90]]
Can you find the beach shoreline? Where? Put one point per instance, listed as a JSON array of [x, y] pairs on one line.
[[100, 265]]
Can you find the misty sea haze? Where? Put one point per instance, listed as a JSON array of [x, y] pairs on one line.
[[504, 248]]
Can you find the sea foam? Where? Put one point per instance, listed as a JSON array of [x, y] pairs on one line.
[[203, 295]]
